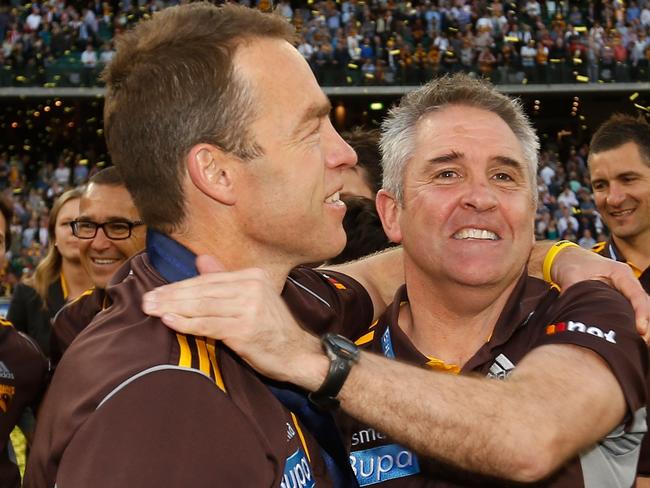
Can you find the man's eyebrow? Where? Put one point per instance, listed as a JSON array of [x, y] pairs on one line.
[[447, 157], [505, 160], [315, 111], [456, 155], [85, 218], [628, 174]]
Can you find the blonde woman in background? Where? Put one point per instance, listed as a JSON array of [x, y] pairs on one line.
[[58, 278]]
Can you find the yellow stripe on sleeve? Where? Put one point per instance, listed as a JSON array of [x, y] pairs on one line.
[[365, 339], [218, 379], [185, 360], [301, 435], [204, 363]]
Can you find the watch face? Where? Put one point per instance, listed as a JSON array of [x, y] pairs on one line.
[[342, 347]]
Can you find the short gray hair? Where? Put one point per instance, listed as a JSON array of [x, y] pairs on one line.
[[398, 130]]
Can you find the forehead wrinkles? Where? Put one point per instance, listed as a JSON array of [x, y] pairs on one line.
[[444, 131]]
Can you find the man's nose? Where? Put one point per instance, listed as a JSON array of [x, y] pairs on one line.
[[479, 195]]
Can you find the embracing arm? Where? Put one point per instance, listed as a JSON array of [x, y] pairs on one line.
[[573, 264], [498, 432], [382, 273], [522, 429]]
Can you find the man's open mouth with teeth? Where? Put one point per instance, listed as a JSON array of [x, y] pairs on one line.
[[621, 213], [334, 198], [476, 234], [105, 261]]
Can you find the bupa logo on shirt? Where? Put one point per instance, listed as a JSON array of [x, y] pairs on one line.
[[297, 471], [572, 326], [383, 463]]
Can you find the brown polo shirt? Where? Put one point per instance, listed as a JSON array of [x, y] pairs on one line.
[[135, 404], [589, 314], [73, 318], [23, 375], [609, 250]]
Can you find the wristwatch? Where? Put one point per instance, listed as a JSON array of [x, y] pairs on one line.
[[343, 353]]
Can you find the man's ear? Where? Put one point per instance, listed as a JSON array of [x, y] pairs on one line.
[[389, 209], [212, 171]]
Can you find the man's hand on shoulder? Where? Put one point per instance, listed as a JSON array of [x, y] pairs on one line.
[[244, 310], [575, 264]]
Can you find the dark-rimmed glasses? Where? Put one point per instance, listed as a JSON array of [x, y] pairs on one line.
[[116, 230]]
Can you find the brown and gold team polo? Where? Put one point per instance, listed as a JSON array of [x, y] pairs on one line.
[[73, 318], [589, 314], [135, 404], [609, 250], [23, 375]]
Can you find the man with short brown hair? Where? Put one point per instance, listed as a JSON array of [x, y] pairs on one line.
[[110, 231], [619, 163], [197, 123]]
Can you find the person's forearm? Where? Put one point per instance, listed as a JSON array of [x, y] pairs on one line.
[[573, 264], [476, 424], [425, 412], [536, 258]]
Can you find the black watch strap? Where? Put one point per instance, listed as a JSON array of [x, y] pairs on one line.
[[343, 353]]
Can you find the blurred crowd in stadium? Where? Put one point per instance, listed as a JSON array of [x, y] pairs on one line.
[[33, 188], [352, 42], [60, 42]]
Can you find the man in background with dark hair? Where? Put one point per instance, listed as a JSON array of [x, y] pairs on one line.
[[619, 163], [23, 372], [110, 231], [363, 179], [365, 234]]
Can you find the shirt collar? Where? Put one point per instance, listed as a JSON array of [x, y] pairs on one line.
[[171, 259], [616, 254], [526, 299]]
